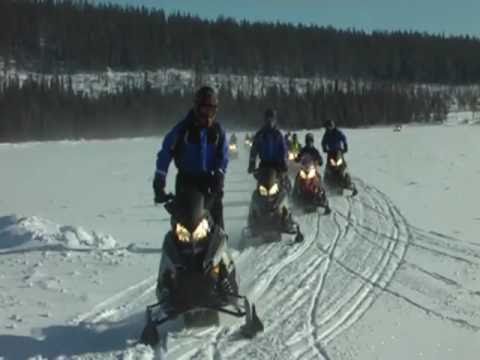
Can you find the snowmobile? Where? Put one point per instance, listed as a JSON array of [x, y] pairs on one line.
[[233, 151], [308, 192], [336, 175], [197, 277], [268, 216]]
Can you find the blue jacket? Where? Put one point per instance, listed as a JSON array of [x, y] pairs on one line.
[[334, 140], [195, 150], [269, 145]]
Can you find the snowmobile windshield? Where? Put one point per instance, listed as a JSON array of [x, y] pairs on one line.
[[200, 233]]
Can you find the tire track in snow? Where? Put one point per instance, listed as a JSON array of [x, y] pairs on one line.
[[122, 302], [315, 265], [357, 304], [308, 265], [313, 328]]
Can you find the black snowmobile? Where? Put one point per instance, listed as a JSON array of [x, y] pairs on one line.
[[268, 216], [308, 191], [197, 275], [336, 175]]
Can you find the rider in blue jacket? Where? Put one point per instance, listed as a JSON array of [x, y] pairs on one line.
[[333, 140], [198, 146], [269, 145]]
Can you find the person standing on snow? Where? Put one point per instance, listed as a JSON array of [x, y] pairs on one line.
[[333, 140], [198, 146]]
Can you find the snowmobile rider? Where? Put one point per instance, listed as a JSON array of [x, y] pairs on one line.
[[269, 145], [333, 140], [233, 139], [310, 150], [288, 139], [198, 146], [295, 146]]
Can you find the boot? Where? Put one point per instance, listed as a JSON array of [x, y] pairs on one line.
[[287, 224]]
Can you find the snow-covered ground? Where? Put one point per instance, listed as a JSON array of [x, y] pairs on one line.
[[393, 273]]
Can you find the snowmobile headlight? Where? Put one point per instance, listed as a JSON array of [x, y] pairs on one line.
[[182, 233], [311, 173], [232, 147], [215, 271], [273, 190], [337, 162], [291, 155], [201, 231], [263, 190]]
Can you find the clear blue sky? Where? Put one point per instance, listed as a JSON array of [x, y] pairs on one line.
[[434, 16]]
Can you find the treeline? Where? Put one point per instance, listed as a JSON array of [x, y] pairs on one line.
[[69, 35], [50, 109]]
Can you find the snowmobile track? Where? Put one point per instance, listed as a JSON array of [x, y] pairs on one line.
[[360, 245]]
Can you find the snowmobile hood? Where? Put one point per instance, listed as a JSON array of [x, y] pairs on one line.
[[189, 209], [267, 177]]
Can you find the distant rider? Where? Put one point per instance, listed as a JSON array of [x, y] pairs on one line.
[[333, 140], [198, 146], [269, 145], [310, 150], [233, 139], [295, 146]]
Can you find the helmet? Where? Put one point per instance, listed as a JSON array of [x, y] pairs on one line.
[[270, 117], [205, 105], [294, 137], [330, 124], [309, 139]]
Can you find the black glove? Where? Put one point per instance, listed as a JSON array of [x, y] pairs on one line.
[[345, 149], [218, 182], [159, 189]]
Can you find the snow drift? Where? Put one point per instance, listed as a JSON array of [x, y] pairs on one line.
[[35, 231]]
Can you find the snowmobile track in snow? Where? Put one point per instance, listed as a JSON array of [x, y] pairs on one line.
[[309, 293]]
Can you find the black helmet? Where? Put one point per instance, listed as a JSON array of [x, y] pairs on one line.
[[205, 105], [270, 117], [309, 139], [330, 124]]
